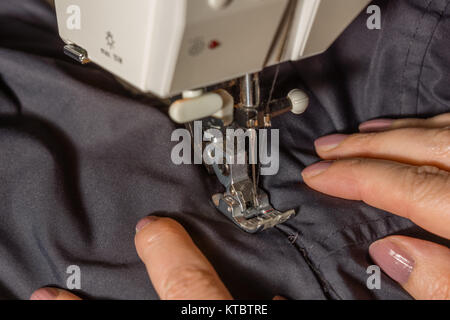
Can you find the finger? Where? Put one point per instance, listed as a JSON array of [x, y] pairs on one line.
[[417, 193], [440, 121], [421, 267], [177, 268], [53, 294], [415, 146]]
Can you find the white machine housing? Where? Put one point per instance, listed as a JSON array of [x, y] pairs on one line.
[[168, 46]]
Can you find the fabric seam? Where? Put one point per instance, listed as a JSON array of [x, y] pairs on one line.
[[352, 226], [323, 283], [326, 287]]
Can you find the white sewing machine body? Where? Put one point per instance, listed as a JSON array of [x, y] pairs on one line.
[[168, 46]]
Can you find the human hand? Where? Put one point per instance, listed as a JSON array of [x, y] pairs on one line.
[[403, 167]]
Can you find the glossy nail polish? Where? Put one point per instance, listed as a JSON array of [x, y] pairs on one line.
[[376, 125], [144, 222], [316, 169], [329, 143], [393, 260]]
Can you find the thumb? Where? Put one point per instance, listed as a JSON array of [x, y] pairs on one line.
[[53, 294], [421, 267]]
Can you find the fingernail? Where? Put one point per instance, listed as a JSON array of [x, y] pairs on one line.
[[376, 125], [316, 169], [330, 142], [392, 259], [144, 222], [45, 294]]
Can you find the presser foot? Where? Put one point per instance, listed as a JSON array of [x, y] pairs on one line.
[[250, 219], [234, 157]]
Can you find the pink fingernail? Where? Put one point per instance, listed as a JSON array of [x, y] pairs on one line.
[[393, 260], [144, 222], [45, 294], [328, 143], [376, 125], [316, 169]]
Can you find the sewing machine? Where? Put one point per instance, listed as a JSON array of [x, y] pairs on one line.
[[207, 56]]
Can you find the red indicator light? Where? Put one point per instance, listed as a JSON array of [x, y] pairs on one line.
[[214, 44]]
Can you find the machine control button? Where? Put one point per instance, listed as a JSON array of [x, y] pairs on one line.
[[299, 101]]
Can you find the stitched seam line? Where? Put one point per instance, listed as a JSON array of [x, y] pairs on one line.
[[370, 240], [315, 267], [323, 283], [343, 248], [359, 224]]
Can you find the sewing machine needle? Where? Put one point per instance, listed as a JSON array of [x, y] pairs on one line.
[[253, 162]]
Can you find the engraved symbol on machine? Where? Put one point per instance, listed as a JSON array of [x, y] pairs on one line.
[[110, 40], [110, 44]]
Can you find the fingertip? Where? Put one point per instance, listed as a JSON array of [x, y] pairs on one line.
[[154, 224], [157, 231], [50, 294], [316, 169], [333, 178], [45, 294], [328, 143], [420, 266], [393, 259], [176, 267], [144, 222]]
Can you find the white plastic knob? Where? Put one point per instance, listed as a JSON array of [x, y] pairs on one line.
[[191, 109], [190, 94], [299, 101], [218, 4]]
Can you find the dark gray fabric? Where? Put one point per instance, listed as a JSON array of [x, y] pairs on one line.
[[82, 160]]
